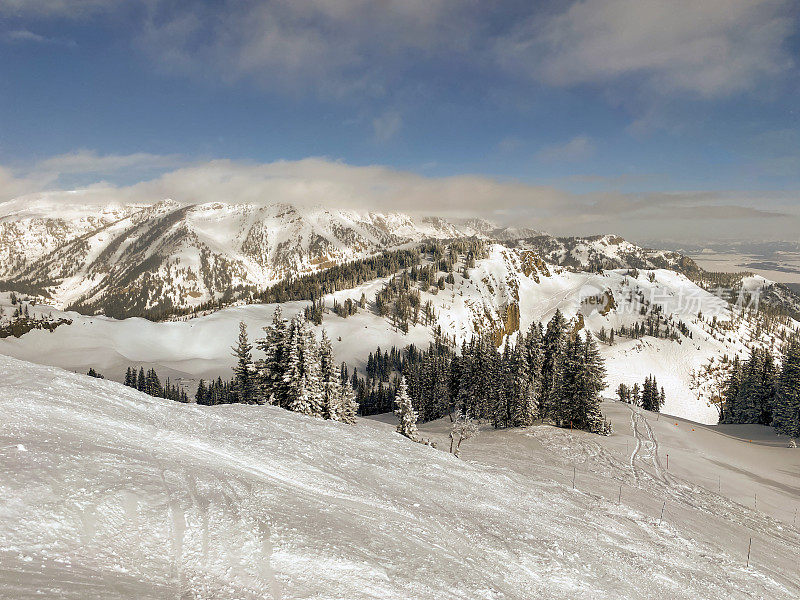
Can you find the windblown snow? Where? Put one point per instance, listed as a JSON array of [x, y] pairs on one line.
[[109, 493]]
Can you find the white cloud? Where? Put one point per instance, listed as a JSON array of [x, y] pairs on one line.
[[88, 162], [336, 48], [322, 182], [23, 36], [577, 148], [369, 48], [81, 168], [56, 8], [710, 48]]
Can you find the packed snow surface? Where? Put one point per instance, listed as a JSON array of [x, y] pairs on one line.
[[109, 493]]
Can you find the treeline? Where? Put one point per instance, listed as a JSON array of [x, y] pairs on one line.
[[648, 396], [339, 277], [298, 373], [150, 383], [551, 374], [758, 391]]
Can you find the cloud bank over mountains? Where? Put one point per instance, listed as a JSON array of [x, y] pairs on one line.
[[330, 183]]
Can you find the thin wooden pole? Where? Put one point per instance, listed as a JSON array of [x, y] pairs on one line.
[[750, 545], [663, 506], [619, 500], [573, 477]]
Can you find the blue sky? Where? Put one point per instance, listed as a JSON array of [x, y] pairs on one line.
[[629, 113]]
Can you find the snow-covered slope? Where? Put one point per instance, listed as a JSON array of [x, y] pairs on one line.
[[108, 493]]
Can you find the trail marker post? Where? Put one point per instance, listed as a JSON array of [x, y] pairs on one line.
[[573, 477], [663, 506], [750, 545]]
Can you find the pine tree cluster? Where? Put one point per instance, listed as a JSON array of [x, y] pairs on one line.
[[550, 374], [297, 373], [648, 396], [756, 391], [150, 383]]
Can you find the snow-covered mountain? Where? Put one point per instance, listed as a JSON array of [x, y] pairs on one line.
[[131, 259], [599, 252], [109, 493]]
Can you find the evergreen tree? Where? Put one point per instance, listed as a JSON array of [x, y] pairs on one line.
[[243, 371], [730, 393], [201, 396], [406, 415], [271, 370], [301, 403], [152, 384], [583, 379], [310, 363], [554, 345], [787, 404], [330, 380], [292, 369], [348, 406], [93, 373], [141, 382]]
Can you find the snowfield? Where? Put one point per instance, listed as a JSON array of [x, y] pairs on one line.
[[109, 493]]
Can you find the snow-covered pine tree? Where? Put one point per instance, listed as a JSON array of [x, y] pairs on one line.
[[292, 368], [524, 404], [787, 404], [584, 378], [271, 369], [503, 408], [348, 406], [595, 383], [310, 367], [243, 371], [330, 380], [554, 343], [406, 415], [301, 403]]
